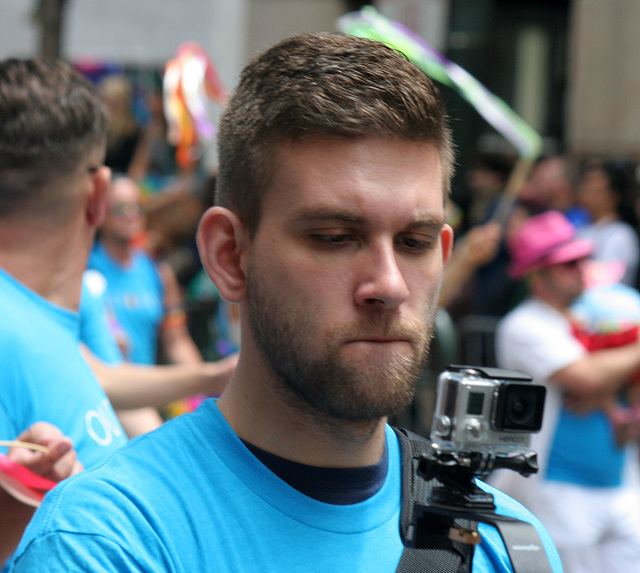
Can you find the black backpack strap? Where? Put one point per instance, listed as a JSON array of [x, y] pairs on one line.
[[445, 556]]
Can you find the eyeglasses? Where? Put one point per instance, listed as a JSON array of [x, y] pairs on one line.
[[126, 210], [576, 263]]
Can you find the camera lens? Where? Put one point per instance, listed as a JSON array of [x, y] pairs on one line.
[[520, 407]]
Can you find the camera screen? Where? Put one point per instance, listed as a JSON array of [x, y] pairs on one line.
[[475, 403]]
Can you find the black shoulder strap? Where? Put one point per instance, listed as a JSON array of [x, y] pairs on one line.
[[450, 556]]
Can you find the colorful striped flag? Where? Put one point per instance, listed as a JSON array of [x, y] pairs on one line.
[[368, 23]]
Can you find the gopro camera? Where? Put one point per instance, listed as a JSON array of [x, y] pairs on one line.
[[486, 409]]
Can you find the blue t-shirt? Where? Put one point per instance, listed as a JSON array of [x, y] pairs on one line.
[[573, 448], [584, 451], [135, 295], [45, 378], [191, 496], [95, 331]]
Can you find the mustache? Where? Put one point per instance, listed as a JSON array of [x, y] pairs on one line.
[[385, 327]]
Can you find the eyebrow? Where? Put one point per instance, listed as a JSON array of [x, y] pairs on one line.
[[327, 214], [432, 222], [324, 214]]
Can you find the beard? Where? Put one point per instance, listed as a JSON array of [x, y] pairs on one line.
[[319, 377]]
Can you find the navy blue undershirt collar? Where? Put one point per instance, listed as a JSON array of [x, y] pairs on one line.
[[338, 486]]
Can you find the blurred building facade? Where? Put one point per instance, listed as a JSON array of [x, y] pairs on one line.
[[569, 67]]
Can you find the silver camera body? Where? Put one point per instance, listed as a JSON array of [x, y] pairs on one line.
[[486, 409]]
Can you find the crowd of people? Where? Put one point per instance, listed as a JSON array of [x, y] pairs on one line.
[[562, 285], [599, 196], [330, 240]]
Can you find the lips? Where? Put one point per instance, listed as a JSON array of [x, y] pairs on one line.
[[379, 341], [380, 333]]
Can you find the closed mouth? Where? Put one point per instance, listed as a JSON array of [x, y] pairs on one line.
[[379, 339]]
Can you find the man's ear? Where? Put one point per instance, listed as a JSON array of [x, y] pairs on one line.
[[446, 238], [223, 242], [97, 200]]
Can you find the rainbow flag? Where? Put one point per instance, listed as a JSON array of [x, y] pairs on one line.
[[368, 23]]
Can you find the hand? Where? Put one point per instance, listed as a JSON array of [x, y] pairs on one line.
[[60, 462], [481, 244], [626, 423], [217, 374]]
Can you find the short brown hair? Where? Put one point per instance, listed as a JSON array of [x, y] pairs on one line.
[[51, 117], [325, 84]]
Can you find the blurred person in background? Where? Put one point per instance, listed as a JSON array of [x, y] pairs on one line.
[[53, 189], [582, 492], [123, 133], [143, 294], [608, 191], [487, 177], [137, 391], [552, 186], [154, 162], [476, 248], [478, 243]]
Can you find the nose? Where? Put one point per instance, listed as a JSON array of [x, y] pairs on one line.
[[382, 284]]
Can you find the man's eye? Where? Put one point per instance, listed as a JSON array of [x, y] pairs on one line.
[[414, 244], [332, 239]]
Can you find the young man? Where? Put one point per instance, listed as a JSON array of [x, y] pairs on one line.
[[52, 198], [142, 294], [581, 493], [329, 233]]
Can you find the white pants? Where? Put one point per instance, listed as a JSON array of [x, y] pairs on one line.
[[596, 530]]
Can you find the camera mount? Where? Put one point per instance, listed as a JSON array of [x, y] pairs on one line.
[[456, 504]]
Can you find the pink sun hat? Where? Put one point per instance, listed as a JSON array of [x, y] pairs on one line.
[[544, 240]]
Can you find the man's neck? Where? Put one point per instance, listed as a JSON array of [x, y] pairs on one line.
[[560, 306], [49, 263], [119, 249], [260, 414], [604, 217]]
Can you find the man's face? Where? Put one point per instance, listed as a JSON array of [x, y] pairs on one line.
[[344, 272], [565, 281], [124, 218], [594, 193]]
